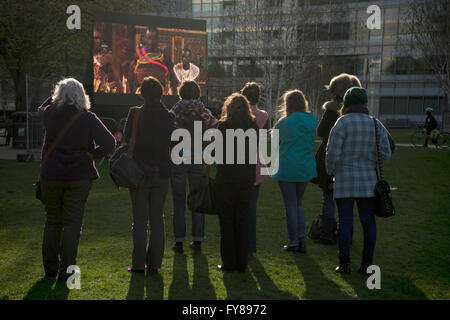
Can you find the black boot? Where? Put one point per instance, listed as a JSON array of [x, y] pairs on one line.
[[344, 264], [365, 263], [178, 247]]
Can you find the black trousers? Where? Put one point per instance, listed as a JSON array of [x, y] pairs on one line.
[[148, 214], [233, 201], [64, 205]]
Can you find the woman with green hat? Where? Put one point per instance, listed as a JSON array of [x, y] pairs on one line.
[[351, 156]]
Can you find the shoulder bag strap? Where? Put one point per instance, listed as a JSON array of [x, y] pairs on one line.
[[61, 134], [379, 170], [137, 113]]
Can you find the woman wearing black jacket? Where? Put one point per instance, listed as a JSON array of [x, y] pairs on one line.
[[338, 86], [234, 185], [152, 152]]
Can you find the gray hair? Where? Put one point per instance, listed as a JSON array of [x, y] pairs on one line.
[[70, 91]]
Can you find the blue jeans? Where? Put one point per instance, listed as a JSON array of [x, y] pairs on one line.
[[327, 216], [366, 207], [252, 220], [195, 175], [295, 215]]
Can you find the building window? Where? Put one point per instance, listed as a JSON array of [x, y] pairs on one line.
[[346, 26], [228, 5], [390, 30], [196, 9], [375, 34], [401, 105], [274, 3], [220, 68], [339, 31], [388, 66], [206, 6], [215, 25], [386, 105], [322, 32], [437, 103], [217, 6], [310, 32], [417, 66], [374, 67], [245, 68], [335, 31], [403, 65], [415, 105], [362, 33], [321, 2]]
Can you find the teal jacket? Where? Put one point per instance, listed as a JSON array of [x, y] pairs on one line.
[[296, 157]]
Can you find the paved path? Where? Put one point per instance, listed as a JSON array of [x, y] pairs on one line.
[[399, 145], [8, 153]]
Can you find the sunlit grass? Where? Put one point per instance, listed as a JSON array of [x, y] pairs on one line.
[[413, 248]]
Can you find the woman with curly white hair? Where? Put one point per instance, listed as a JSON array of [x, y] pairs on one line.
[[74, 138]]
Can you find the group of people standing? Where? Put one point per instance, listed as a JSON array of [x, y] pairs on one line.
[[344, 167]]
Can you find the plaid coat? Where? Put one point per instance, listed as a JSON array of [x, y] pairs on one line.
[[351, 155]]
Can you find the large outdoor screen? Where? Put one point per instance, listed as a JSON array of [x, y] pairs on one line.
[[128, 48]]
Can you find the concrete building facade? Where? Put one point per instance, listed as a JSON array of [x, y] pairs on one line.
[[399, 84]]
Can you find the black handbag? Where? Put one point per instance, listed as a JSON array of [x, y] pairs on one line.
[[203, 198], [314, 230], [123, 168], [316, 227], [384, 206]]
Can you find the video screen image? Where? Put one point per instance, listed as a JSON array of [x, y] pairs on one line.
[[125, 54]]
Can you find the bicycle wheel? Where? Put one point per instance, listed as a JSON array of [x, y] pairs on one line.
[[443, 140], [418, 138]]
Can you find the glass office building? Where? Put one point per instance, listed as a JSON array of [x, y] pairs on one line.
[[398, 82]]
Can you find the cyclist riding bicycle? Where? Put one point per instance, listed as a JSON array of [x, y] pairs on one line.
[[429, 127]]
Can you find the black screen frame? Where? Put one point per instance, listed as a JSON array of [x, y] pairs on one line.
[[122, 99]]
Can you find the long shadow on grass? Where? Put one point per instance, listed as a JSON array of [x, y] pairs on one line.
[[240, 286], [243, 285], [179, 288], [137, 287], [268, 288], [44, 290], [318, 286], [152, 283], [202, 287], [392, 287]]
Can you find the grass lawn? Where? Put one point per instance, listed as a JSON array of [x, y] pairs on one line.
[[413, 248], [402, 136]]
